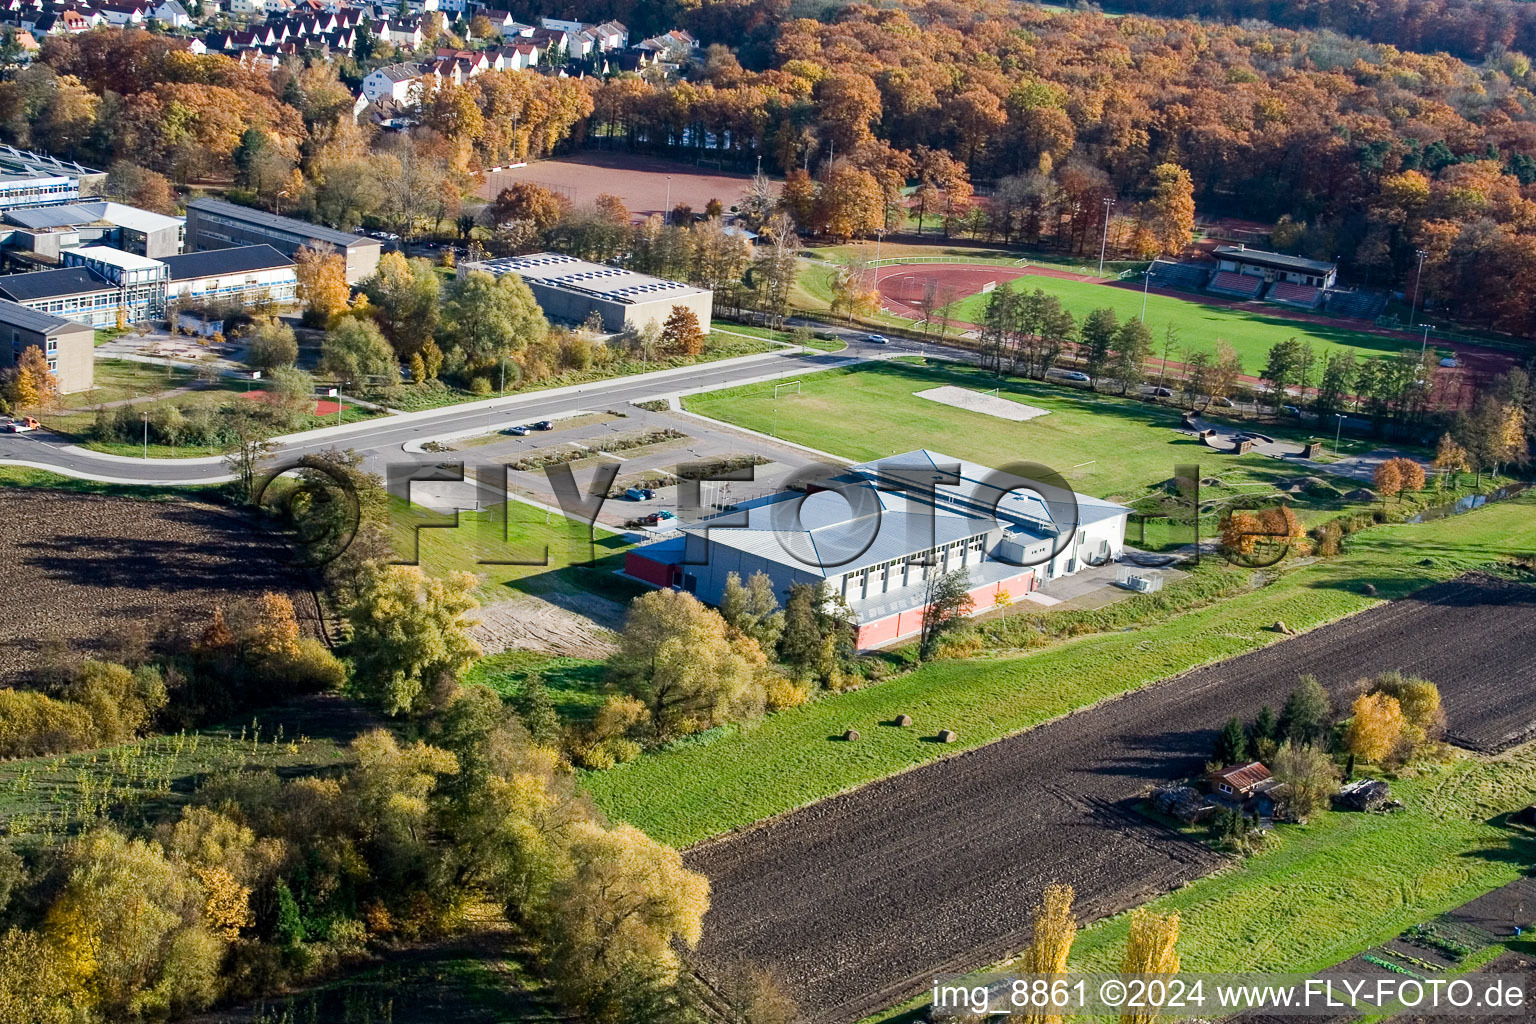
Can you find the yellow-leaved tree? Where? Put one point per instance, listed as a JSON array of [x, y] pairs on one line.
[[322, 282], [1051, 942], [1376, 728], [617, 914], [1151, 949], [410, 631]]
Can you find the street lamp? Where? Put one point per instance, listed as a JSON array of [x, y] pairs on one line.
[[1146, 283], [1104, 242], [1338, 427], [1413, 310], [145, 417], [667, 213], [1425, 343]]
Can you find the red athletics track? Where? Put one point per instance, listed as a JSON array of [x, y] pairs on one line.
[[903, 286]]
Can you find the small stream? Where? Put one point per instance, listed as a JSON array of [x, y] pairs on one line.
[[1470, 502]]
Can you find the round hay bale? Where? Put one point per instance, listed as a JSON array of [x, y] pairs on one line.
[[851, 735], [948, 735], [902, 721]]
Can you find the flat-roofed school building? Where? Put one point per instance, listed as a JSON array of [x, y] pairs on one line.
[[569, 289], [216, 224]]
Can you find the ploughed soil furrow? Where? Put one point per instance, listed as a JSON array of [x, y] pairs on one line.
[[84, 572], [857, 901]]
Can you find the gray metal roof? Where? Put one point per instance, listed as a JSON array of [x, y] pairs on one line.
[[1273, 259], [41, 217], [214, 262], [52, 284], [289, 225], [17, 315], [830, 532]]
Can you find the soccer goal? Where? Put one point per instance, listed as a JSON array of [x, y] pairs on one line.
[[787, 384]]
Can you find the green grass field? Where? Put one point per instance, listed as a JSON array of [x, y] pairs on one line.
[[731, 778], [575, 684], [1103, 445], [46, 798], [502, 551], [1199, 325], [1322, 892]]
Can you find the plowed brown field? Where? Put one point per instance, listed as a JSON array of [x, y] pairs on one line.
[[80, 567], [858, 900]]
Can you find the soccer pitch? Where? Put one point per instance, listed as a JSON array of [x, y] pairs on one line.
[[1103, 445], [1200, 325]]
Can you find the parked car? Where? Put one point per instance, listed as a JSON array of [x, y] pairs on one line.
[[1290, 410], [878, 339], [639, 494], [20, 425], [519, 431], [1162, 392], [1225, 403], [544, 425], [1077, 375], [1449, 362]]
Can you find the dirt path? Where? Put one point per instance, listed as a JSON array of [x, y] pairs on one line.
[[857, 901], [573, 625]]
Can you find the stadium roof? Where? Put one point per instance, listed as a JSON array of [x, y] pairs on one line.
[[567, 273], [52, 284], [1273, 259], [216, 262], [289, 225]]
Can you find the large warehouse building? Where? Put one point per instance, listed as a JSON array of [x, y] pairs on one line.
[[887, 528], [570, 290]]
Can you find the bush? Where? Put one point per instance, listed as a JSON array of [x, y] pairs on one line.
[[480, 386], [607, 740], [780, 694], [120, 702], [32, 724], [307, 667]]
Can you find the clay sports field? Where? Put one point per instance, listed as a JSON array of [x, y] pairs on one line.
[[641, 181]]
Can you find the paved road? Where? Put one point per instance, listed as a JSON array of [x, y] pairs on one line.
[[381, 440]]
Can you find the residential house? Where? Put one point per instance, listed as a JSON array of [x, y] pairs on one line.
[[394, 81], [171, 14], [404, 33], [122, 13], [1246, 786], [611, 36]]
